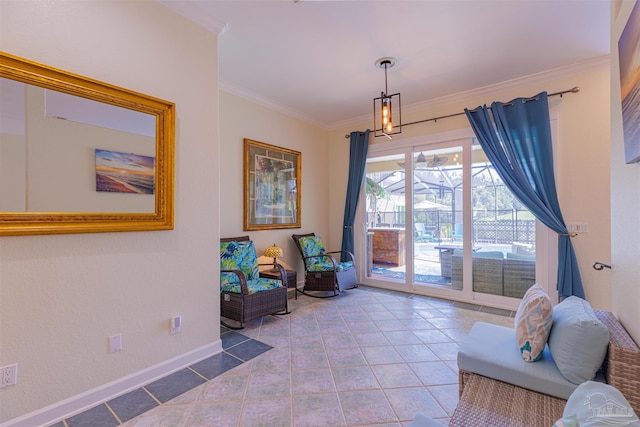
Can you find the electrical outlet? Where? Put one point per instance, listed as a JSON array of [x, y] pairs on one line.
[[176, 324], [8, 375], [115, 343]]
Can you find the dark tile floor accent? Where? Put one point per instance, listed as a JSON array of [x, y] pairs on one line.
[[97, 416], [174, 385], [132, 404], [237, 349]]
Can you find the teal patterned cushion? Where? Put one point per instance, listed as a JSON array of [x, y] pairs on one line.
[[312, 245], [258, 285], [238, 256], [328, 266]]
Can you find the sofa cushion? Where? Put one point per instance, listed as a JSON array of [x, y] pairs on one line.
[[520, 257], [492, 351], [238, 256], [489, 254], [578, 340], [598, 404], [533, 323]]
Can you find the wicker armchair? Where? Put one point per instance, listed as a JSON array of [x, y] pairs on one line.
[[244, 295], [322, 271]]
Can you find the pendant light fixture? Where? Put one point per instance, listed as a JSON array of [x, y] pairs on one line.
[[386, 108]]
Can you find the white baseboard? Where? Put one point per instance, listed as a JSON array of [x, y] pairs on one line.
[[76, 404]]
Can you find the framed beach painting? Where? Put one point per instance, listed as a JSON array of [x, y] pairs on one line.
[[629, 57], [272, 191], [118, 172]]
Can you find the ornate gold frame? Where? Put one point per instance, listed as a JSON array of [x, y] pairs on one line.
[[272, 187], [25, 223]]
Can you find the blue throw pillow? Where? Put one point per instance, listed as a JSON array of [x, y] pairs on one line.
[[578, 340]]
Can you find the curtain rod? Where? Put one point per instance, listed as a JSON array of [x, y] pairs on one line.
[[574, 89]]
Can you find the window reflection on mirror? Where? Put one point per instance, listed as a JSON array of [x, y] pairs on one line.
[[48, 157]]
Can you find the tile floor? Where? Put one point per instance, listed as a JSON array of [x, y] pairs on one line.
[[368, 357]]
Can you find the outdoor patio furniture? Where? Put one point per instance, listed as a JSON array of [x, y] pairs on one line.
[[422, 234], [519, 273], [244, 295], [323, 272], [493, 274]]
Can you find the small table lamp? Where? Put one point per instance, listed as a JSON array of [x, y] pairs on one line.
[[274, 252]]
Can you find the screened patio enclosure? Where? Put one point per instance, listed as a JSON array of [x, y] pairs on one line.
[[502, 236]]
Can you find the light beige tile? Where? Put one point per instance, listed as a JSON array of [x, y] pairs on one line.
[[395, 375], [162, 416], [354, 378], [267, 413], [346, 357], [339, 341], [309, 381], [434, 373], [224, 387], [407, 402], [366, 407], [317, 410], [401, 337], [432, 336], [265, 384], [222, 414], [445, 351], [447, 396], [309, 360], [416, 353], [371, 339], [381, 354]]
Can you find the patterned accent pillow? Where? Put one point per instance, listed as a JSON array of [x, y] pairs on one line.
[[238, 256], [533, 323], [312, 245]]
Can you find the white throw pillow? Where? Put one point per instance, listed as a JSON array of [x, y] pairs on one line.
[[533, 323]]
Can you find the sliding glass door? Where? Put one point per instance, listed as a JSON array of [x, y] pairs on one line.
[[438, 202], [452, 229]]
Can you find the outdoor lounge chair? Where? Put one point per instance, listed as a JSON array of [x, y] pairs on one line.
[[244, 295], [323, 272]]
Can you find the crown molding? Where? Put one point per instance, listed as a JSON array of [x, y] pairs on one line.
[[579, 67], [268, 103], [192, 12]]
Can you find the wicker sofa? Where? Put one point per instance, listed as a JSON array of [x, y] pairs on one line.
[[495, 274], [486, 401]]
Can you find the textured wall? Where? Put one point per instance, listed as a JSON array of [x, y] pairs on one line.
[[61, 296], [625, 198]]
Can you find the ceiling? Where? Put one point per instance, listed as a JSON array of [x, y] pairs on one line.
[[315, 60]]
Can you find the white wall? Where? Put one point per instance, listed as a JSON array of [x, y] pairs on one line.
[[61, 296], [583, 156], [625, 198], [244, 119]]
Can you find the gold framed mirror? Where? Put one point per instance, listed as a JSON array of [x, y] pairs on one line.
[[81, 156]]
